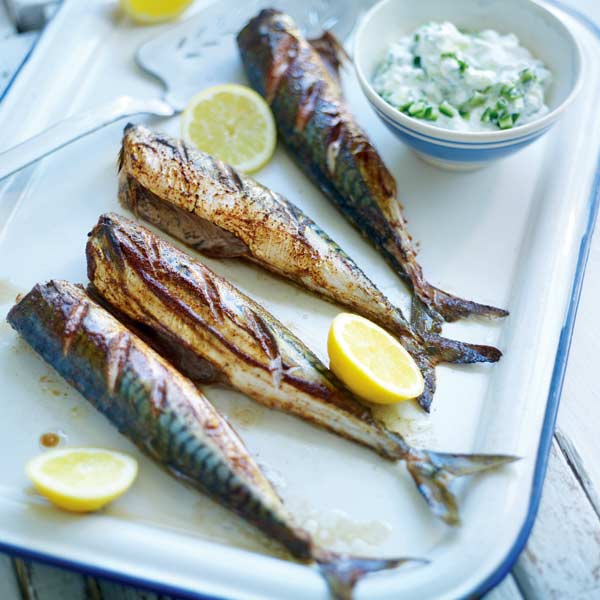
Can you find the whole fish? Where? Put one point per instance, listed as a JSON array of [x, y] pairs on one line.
[[299, 80], [165, 415], [192, 309], [222, 213]]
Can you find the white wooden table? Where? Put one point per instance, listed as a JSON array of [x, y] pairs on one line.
[[562, 557]]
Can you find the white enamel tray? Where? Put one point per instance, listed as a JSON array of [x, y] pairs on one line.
[[513, 235]]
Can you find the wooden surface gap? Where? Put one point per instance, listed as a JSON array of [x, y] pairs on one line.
[[576, 464]]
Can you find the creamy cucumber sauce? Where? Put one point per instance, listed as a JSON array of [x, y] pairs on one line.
[[463, 80]]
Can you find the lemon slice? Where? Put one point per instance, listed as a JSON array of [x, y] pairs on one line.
[[233, 123], [82, 479], [154, 11], [371, 362]]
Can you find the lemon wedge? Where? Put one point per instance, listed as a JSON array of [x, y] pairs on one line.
[[82, 479], [154, 11], [372, 363], [233, 123]]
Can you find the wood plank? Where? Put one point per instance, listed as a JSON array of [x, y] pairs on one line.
[[562, 558], [114, 591], [42, 582], [507, 589], [9, 587]]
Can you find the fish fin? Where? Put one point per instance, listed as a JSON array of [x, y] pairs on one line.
[[423, 318], [452, 308], [434, 472], [342, 572], [331, 51], [445, 350]]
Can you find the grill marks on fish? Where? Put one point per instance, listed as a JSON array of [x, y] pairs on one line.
[[332, 149], [153, 405], [234, 216], [243, 344], [168, 419], [117, 357], [75, 317], [225, 327]]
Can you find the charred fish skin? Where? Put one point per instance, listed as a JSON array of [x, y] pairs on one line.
[[168, 418], [151, 403], [163, 288], [207, 205], [222, 213], [158, 285], [328, 144]]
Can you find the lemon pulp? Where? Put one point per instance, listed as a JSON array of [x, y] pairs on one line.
[[82, 479], [372, 363], [233, 123], [154, 11]]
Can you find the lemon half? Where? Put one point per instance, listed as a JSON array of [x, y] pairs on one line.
[[154, 11], [233, 123], [82, 479], [372, 363]]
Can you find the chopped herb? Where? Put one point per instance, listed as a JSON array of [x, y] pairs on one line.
[[462, 65], [527, 75], [447, 109], [515, 117], [417, 61]]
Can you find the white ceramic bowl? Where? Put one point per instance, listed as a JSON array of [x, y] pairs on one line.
[[537, 28]]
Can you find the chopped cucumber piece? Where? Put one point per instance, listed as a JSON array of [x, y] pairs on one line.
[[510, 92], [477, 99], [486, 117], [505, 121], [430, 114], [417, 61], [447, 109], [417, 109]]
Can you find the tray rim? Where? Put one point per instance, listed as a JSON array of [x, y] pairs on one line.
[[550, 414]]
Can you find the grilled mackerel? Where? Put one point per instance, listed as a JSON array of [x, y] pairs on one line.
[[164, 414], [192, 309], [221, 213], [299, 80]]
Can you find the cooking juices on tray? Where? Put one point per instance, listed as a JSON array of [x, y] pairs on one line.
[[466, 81]]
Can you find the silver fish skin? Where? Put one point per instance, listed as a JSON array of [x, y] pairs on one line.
[[222, 213], [183, 301], [165, 415]]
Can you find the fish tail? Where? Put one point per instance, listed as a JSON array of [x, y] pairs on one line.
[[427, 369], [445, 350], [433, 472], [342, 572], [452, 308]]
